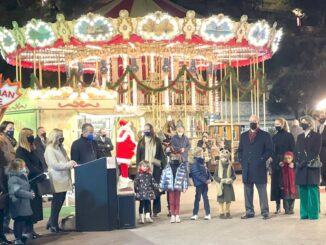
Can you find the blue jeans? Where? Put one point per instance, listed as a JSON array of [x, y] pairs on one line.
[[201, 190]]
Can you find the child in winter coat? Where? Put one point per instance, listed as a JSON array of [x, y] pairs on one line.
[[288, 186], [224, 176], [145, 188], [201, 178], [20, 196], [174, 180]]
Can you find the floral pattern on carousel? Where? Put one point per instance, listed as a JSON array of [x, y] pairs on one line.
[[93, 28], [158, 26], [218, 28], [258, 34], [39, 34], [7, 40]]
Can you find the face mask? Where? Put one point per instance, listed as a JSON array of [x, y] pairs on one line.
[[180, 134], [278, 128], [23, 171], [43, 135], [148, 134], [322, 120], [253, 126], [11, 133], [30, 139], [304, 126], [104, 135], [61, 140], [90, 137]]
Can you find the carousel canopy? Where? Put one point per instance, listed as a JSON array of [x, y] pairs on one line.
[[94, 39], [136, 8]]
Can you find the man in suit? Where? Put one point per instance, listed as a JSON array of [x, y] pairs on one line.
[[104, 143], [40, 144], [322, 131], [255, 148]]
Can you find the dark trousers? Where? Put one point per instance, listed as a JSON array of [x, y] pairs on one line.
[[144, 206], [249, 198], [288, 205], [6, 218], [2, 215], [157, 205], [22, 224], [56, 205], [201, 190]]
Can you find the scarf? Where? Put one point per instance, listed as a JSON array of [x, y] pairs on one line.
[[288, 182], [252, 135], [150, 151], [220, 175]]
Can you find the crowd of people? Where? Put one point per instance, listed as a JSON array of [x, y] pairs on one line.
[[294, 158]]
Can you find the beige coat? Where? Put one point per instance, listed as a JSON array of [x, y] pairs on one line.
[[59, 168], [7, 148]]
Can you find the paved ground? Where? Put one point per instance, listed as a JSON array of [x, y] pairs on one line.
[[280, 229]]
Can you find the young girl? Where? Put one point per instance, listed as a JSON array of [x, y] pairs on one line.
[[145, 188], [20, 195], [174, 180], [201, 178], [224, 176], [288, 187]]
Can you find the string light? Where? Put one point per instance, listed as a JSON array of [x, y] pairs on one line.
[[277, 40]]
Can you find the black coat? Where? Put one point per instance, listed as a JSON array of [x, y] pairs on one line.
[[283, 142], [83, 151], [3, 179], [34, 165], [104, 147], [307, 149], [253, 157], [40, 149], [322, 154]]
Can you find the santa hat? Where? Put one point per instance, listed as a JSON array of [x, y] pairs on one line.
[[289, 153], [123, 123]]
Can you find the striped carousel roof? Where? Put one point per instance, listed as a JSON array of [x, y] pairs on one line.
[[137, 8]]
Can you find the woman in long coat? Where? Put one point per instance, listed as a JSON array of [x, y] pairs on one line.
[[150, 149], [59, 171], [307, 174], [26, 151], [283, 141]]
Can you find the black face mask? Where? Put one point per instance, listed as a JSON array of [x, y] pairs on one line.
[[61, 140], [148, 134], [322, 120], [43, 135], [30, 139], [104, 135], [253, 126], [304, 126], [278, 128]]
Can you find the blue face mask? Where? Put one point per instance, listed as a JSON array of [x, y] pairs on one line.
[[90, 137], [11, 133]]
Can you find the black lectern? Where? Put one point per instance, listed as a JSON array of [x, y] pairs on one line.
[[96, 196]]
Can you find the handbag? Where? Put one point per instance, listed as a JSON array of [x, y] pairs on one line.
[[315, 163], [45, 187]]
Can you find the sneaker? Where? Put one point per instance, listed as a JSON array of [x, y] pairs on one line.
[[228, 216], [222, 216], [177, 219], [194, 217], [172, 220], [207, 217], [155, 215]]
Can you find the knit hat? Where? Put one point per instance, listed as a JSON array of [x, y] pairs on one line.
[[122, 123], [197, 152]]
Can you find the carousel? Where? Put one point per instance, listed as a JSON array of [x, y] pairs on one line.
[[149, 68]]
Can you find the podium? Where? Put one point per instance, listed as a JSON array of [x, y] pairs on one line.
[[96, 196]]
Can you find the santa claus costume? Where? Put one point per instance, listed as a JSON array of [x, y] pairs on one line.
[[126, 145]]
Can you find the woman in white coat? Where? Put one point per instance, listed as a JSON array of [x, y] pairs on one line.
[[59, 167]]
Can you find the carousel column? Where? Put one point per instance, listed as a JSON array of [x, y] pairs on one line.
[[258, 86], [251, 91], [231, 107], [238, 92], [166, 69], [221, 94], [210, 84], [17, 71], [264, 95], [20, 69], [126, 79]]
